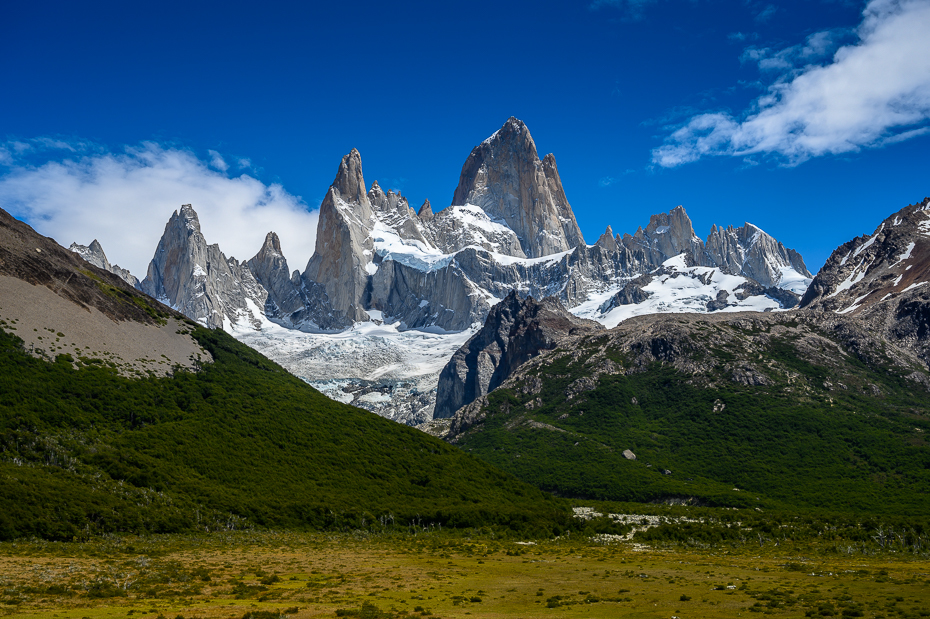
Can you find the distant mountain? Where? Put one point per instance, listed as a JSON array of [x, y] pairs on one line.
[[817, 408], [378, 261], [95, 255], [118, 414], [505, 178]]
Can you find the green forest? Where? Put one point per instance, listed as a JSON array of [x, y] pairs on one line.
[[239, 444]]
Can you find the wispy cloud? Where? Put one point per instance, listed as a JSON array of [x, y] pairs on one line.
[[767, 12], [217, 162], [868, 94], [124, 199]]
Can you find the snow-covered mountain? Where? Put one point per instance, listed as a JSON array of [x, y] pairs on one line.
[[392, 292]]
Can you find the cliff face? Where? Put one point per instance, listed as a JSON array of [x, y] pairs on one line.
[[198, 280], [505, 177], [515, 331], [343, 247]]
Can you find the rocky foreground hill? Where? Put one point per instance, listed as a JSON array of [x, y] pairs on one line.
[[509, 226], [726, 408]]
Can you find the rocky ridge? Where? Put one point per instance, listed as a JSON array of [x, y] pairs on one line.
[[708, 351], [515, 331], [880, 281], [95, 255]]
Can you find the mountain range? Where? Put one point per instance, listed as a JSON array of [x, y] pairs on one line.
[[648, 367], [382, 269]]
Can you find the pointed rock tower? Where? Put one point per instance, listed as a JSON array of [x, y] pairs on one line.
[[344, 248], [95, 255], [269, 266], [505, 177], [198, 280]]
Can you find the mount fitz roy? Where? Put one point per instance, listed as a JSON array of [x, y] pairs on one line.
[[407, 272]]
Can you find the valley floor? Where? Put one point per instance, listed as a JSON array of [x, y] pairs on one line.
[[445, 575]]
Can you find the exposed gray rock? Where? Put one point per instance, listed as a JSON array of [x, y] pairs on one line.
[[515, 330], [196, 279], [426, 211], [631, 294], [667, 235], [95, 255], [287, 301], [750, 252], [719, 303], [504, 176], [629, 455], [608, 241], [344, 248]]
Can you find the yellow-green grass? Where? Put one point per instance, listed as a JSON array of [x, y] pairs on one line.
[[315, 575]]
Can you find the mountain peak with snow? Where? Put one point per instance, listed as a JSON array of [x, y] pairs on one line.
[[505, 177]]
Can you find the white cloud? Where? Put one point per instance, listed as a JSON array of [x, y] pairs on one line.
[[125, 199], [871, 93], [217, 162]]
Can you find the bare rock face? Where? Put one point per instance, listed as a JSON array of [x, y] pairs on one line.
[[516, 330], [752, 252], [393, 210], [746, 251], [426, 211], [881, 282], [505, 177], [344, 247], [95, 255], [196, 279], [608, 240], [667, 235], [457, 227], [286, 302]]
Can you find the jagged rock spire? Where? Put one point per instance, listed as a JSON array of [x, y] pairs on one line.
[[426, 211], [608, 240], [197, 279], [349, 183], [344, 246]]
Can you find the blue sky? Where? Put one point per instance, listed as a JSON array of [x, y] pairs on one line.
[[806, 118]]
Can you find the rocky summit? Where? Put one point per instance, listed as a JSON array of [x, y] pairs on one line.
[[880, 281], [504, 176], [439, 272]]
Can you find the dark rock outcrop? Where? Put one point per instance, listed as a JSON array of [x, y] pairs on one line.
[[880, 283], [516, 330]]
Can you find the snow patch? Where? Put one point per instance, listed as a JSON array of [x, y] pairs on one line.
[[790, 279], [868, 243], [906, 254]]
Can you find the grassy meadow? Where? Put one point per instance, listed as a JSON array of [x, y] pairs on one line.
[[457, 574]]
